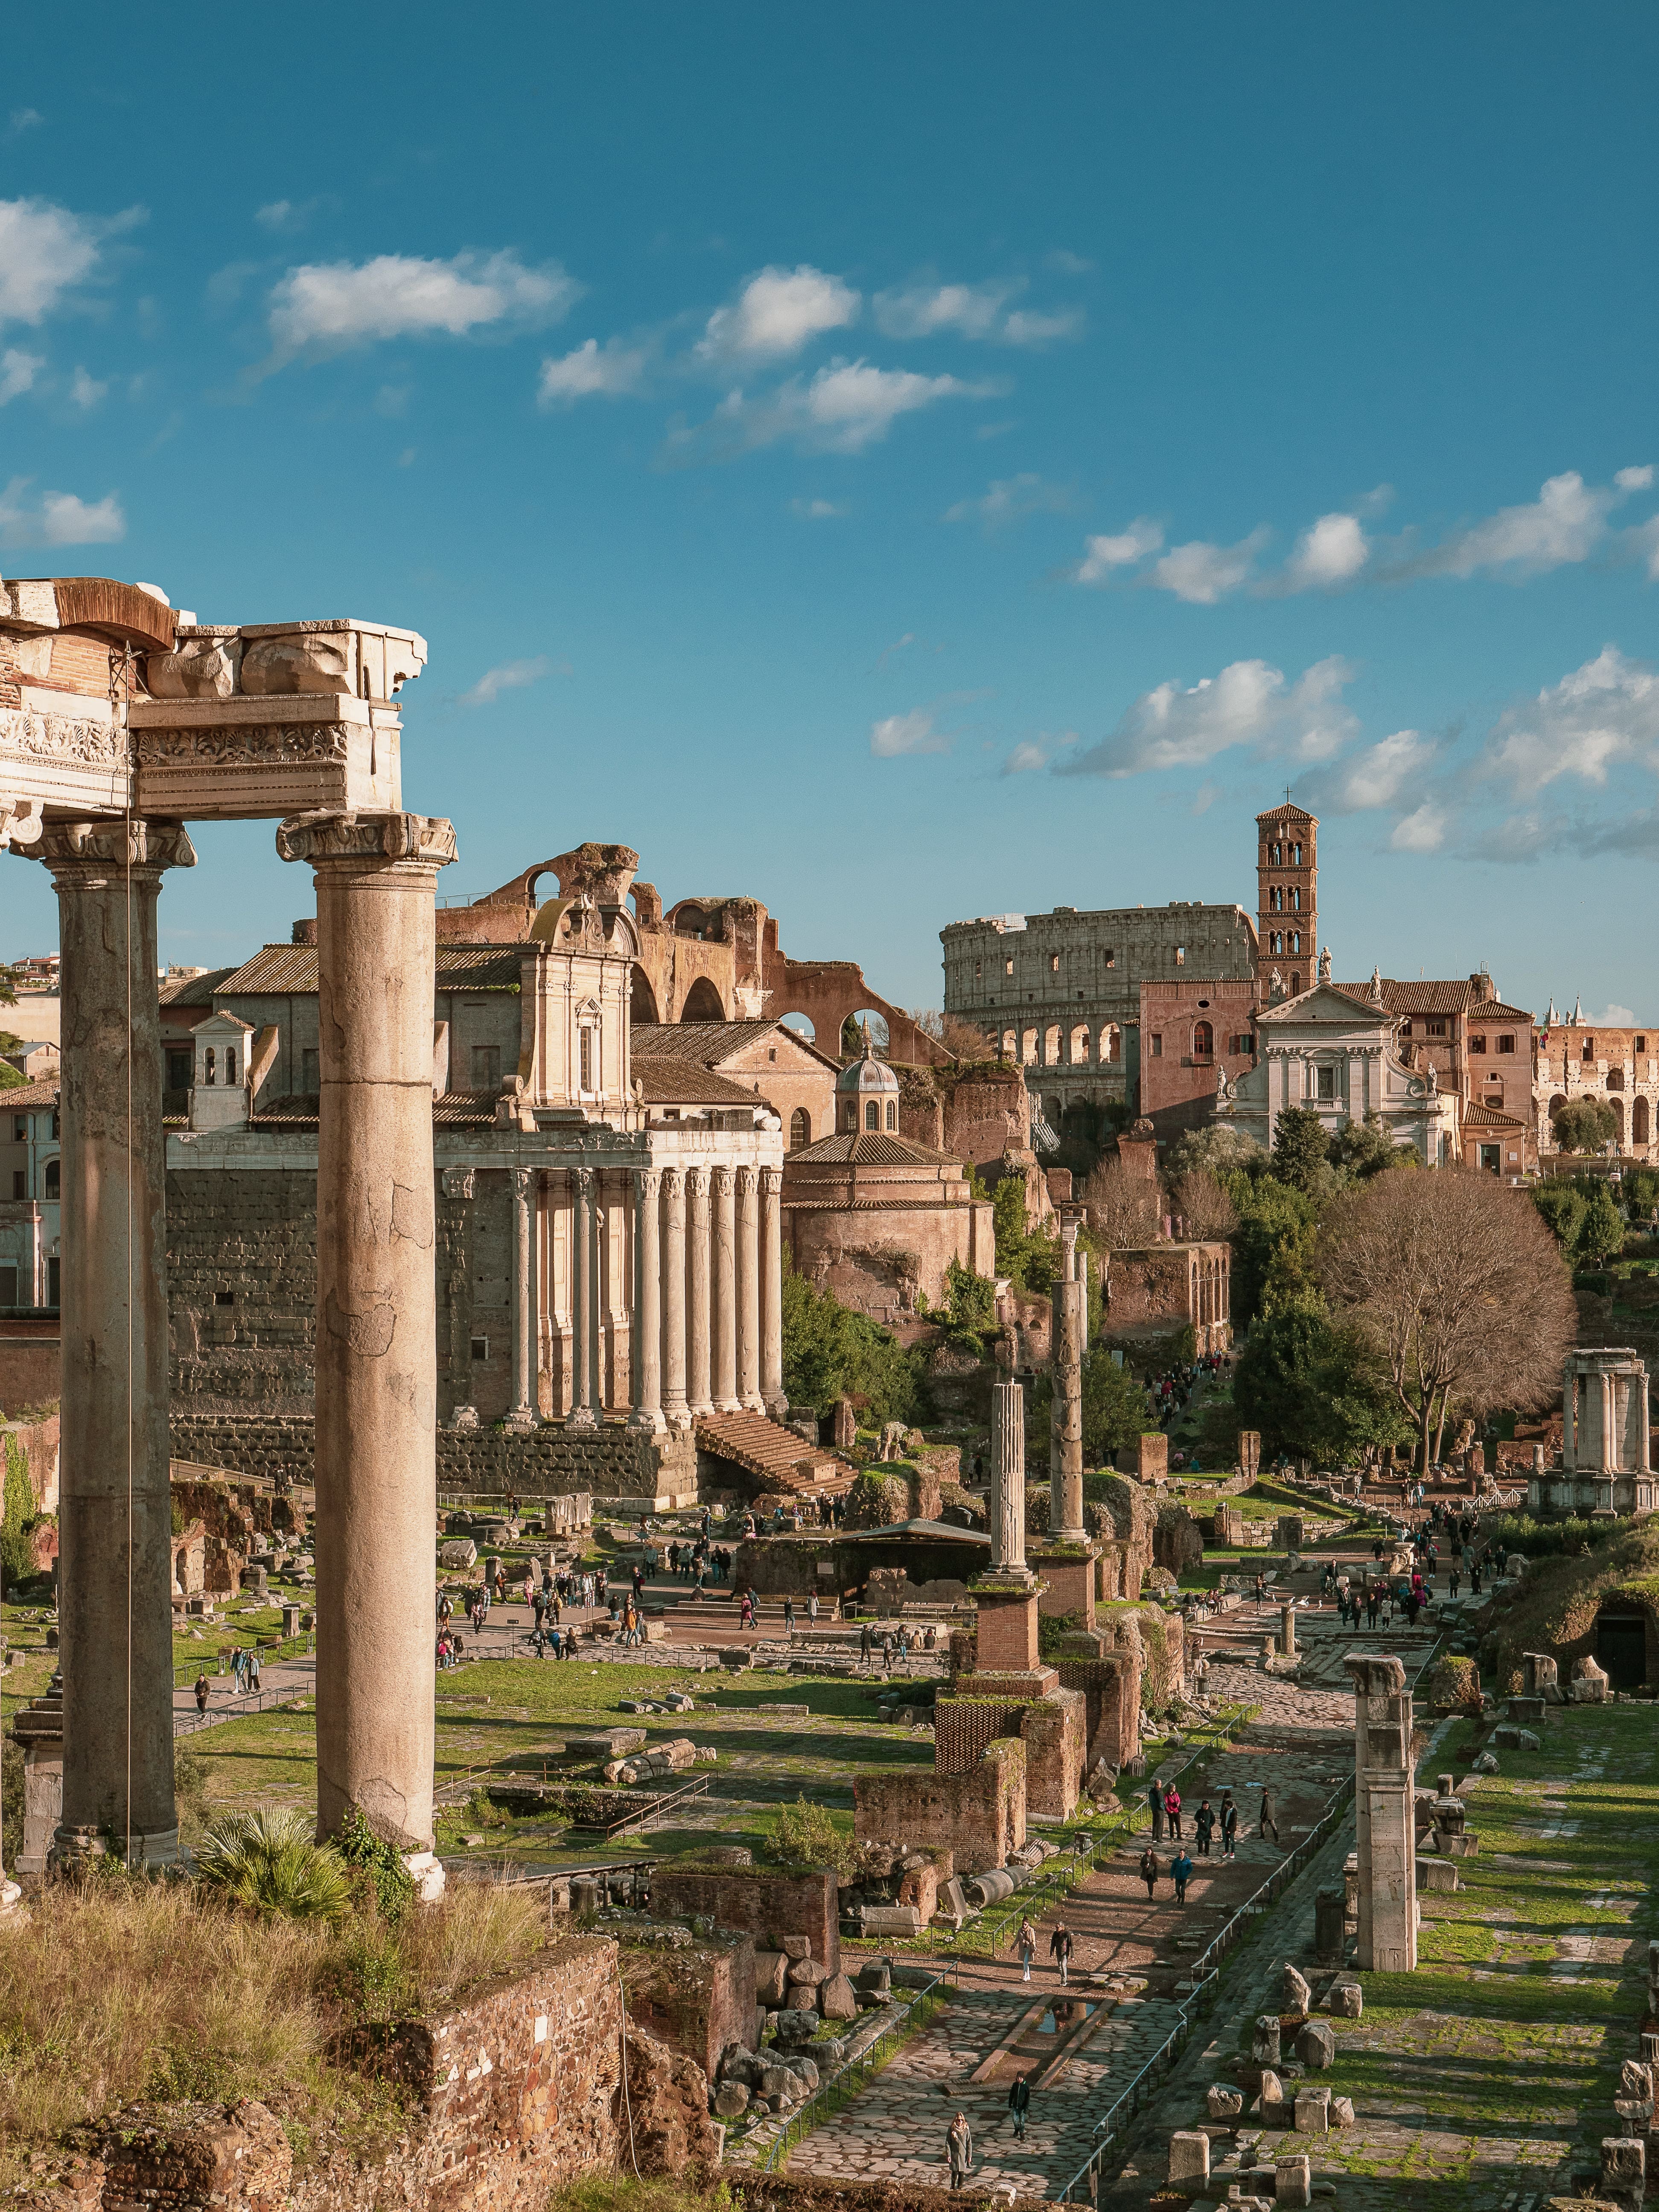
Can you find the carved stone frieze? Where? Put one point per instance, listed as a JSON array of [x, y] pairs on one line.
[[76, 738], [250, 744]]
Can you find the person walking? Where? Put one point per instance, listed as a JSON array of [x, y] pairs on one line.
[[1060, 1949], [1019, 2098], [1204, 1825], [1269, 1814], [1150, 1872], [812, 1609], [1025, 1943], [1228, 1829], [867, 1640], [252, 1665], [789, 1616], [959, 2149], [1154, 1801], [201, 1707], [1172, 1811], [1181, 1870]]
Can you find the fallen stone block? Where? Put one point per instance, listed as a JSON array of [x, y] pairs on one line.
[[770, 1977], [791, 2027], [1313, 2111], [1341, 2111], [1346, 2000], [1439, 1873], [1270, 2104], [1589, 1683], [1292, 2181], [730, 2100], [794, 1947], [1190, 2155], [1624, 2171], [806, 1973], [1636, 2080], [837, 1999], [1296, 1995], [1465, 1846], [1315, 2046], [890, 1920], [1264, 2040], [1223, 2103], [1509, 1738]]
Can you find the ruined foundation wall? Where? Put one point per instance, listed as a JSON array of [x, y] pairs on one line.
[[979, 1816]]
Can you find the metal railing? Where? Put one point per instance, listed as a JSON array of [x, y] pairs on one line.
[[829, 2098], [258, 1701]]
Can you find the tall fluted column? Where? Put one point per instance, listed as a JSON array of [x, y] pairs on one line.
[[748, 1291], [1008, 1479], [522, 1414], [673, 1295], [598, 1269], [724, 1383], [115, 1514], [583, 1349], [376, 1362], [646, 1331], [697, 1377], [1070, 1325], [771, 1288]]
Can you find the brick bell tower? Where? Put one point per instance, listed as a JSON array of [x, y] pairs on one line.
[[1287, 900]]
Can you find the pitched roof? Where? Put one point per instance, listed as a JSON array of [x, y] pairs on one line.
[[1403, 997], [292, 969], [43, 1093], [299, 1109], [1477, 1115], [1494, 1010], [682, 1083], [1289, 813], [193, 990], [710, 1044], [868, 1148]]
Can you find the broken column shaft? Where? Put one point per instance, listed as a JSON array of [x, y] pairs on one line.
[[376, 1315], [114, 1510], [1007, 1479], [1384, 1816], [1070, 1329]]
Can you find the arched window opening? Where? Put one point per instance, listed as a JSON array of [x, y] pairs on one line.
[[892, 1114], [800, 1129], [1203, 1041], [54, 1173], [209, 1065], [873, 1113], [230, 1063], [1640, 1125]]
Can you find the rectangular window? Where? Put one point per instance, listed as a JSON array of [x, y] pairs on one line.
[[310, 1074], [1157, 1045], [1506, 1045], [1053, 963], [224, 1298], [486, 1066], [1435, 1029], [481, 1347], [178, 1071], [1641, 1044], [1007, 967], [587, 1060], [1325, 1083], [1477, 1044], [19, 1129], [54, 1275], [8, 1287], [20, 1186]]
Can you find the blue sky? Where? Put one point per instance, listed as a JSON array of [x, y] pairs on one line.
[[899, 464]]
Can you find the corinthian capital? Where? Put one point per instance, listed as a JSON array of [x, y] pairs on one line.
[[427, 838], [771, 1181], [74, 848]]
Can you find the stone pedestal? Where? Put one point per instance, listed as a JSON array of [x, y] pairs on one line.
[[376, 1317], [1384, 1810], [39, 1729], [115, 1515], [1068, 1577]]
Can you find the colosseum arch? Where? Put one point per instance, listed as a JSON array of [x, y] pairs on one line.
[[703, 1003]]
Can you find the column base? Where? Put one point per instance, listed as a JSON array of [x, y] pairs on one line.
[[521, 1421], [10, 1896], [580, 1420], [646, 1421], [426, 1871], [1069, 1535], [730, 1406], [678, 1418], [72, 1847]]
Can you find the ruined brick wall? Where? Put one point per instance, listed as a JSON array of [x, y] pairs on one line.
[[758, 1901], [1110, 1688], [1125, 1514], [697, 2000], [1055, 1732], [1177, 1541], [35, 1443], [241, 1249], [986, 1112], [964, 1727], [31, 1365], [1156, 1641], [979, 1816], [613, 1462]]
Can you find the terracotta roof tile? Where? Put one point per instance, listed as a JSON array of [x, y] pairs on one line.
[[293, 968], [43, 1093], [868, 1148], [193, 990], [683, 1082]]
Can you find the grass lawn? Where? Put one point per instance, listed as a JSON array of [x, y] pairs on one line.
[[1494, 2067]]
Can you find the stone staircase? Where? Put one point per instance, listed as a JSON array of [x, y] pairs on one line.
[[776, 1457]]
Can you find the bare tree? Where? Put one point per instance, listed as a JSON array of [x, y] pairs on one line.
[[1122, 1208], [1207, 1212], [957, 1037], [1458, 1284]]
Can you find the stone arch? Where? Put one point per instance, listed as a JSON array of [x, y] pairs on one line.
[[1615, 1079], [1641, 1124], [1051, 1045], [870, 1020], [800, 1129], [801, 1024], [703, 1003], [1618, 1106], [1111, 1044], [642, 999], [1029, 1041], [689, 920], [1077, 1048], [1008, 1045]]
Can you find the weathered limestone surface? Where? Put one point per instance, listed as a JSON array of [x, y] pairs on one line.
[[1384, 1816], [376, 1317]]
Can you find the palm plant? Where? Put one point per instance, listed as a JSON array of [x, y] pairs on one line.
[[267, 1859]]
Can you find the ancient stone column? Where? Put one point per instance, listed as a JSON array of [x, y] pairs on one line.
[[1384, 1816], [582, 1413], [673, 1294], [647, 1301], [376, 1362], [771, 1286], [748, 1291], [697, 1329], [115, 1520], [1287, 1629], [522, 1414], [1007, 1479], [724, 1379], [1070, 1327]]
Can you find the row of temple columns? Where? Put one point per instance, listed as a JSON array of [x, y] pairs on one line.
[[706, 1322]]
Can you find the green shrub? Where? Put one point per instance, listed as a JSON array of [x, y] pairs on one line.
[[803, 1838], [1566, 1539], [380, 1862], [267, 1861]]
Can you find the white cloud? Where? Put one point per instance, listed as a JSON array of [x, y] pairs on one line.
[[1332, 552], [1635, 479], [1103, 557], [511, 676], [59, 518], [1201, 573], [85, 391], [1009, 500], [1643, 545], [326, 307], [777, 313], [1563, 524], [1376, 777], [1023, 759], [1423, 830], [908, 733], [841, 409], [1027, 327], [1249, 703], [1601, 714], [1614, 1017], [45, 251], [18, 371], [815, 510], [920, 311], [590, 371], [26, 118]]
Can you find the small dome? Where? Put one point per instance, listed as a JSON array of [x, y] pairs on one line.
[[865, 1073]]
